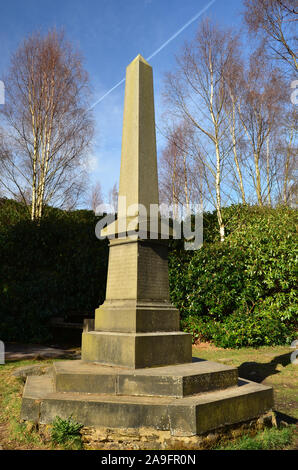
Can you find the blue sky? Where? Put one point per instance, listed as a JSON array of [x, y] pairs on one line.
[[110, 33]]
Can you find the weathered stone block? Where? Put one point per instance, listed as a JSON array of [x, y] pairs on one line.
[[176, 381], [137, 350], [131, 316]]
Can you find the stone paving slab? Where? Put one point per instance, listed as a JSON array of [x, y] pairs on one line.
[[21, 352]]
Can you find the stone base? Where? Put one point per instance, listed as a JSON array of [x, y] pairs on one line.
[[136, 350], [172, 381], [185, 416], [132, 316]]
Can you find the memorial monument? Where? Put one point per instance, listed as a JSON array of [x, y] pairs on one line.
[[136, 368]]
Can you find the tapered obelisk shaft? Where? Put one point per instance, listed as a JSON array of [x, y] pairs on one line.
[[138, 174]]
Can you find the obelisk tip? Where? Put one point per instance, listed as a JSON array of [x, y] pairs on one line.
[[140, 58]]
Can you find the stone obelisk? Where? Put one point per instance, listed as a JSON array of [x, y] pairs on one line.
[[136, 369], [137, 326]]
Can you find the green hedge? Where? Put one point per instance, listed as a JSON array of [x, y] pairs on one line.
[[56, 268], [237, 293], [241, 292]]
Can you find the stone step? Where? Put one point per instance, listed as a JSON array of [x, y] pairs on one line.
[[177, 381], [186, 416], [137, 350]]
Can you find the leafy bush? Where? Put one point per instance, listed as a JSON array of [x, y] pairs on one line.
[[241, 292], [243, 328]]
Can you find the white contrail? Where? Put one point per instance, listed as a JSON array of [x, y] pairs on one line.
[[107, 93], [181, 29], [159, 49]]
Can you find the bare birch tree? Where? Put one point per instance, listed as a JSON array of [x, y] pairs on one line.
[[170, 177], [95, 196], [178, 175], [276, 20], [47, 123], [113, 197], [288, 151], [196, 93], [233, 81], [260, 110]]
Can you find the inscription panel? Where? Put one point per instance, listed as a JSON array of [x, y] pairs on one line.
[[122, 273]]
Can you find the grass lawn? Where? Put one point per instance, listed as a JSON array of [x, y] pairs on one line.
[[13, 433], [269, 365]]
